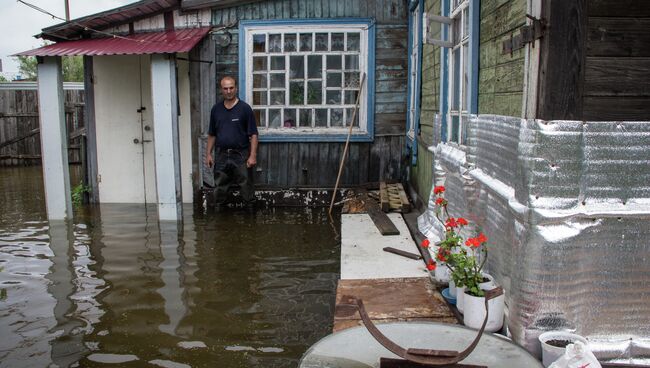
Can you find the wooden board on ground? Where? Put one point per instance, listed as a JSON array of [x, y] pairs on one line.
[[383, 223], [391, 300]]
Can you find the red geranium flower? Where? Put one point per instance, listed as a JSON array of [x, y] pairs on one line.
[[425, 243], [439, 189], [451, 222], [482, 238], [440, 201], [473, 242], [461, 221], [431, 266], [441, 255]]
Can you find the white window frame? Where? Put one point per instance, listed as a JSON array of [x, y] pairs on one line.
[[459, 15], [312, 27], [415, 71]]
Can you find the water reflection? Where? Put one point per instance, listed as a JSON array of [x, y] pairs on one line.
[[233, 289]]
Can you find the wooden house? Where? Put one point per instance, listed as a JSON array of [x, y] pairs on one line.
[[301, 64]]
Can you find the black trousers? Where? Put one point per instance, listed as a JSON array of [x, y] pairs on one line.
[[230, 169]]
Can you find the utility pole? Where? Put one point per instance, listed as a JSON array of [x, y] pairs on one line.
[[67, 10]]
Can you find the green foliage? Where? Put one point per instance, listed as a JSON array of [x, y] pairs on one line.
[[72, 68], [78, 194], [3, 79]]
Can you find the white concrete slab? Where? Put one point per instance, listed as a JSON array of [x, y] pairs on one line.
[[362, 255]]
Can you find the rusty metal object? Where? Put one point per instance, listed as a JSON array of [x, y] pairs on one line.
[[432, 358]]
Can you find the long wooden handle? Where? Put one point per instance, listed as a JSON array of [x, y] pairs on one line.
[[347, 141]]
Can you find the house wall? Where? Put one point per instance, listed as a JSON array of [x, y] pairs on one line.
[[126, 170], [315, 164], [501, 76], [421, 173]]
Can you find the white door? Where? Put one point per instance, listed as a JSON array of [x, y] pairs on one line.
[[124, 129]]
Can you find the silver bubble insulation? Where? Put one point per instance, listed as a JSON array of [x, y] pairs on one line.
[[566, 206]]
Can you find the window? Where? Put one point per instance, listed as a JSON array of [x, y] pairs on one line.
[[414, 70], [458, 71], [304, 77]]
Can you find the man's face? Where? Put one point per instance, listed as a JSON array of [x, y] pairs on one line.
[[228, 89]]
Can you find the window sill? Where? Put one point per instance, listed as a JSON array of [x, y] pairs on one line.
[[295, 135]]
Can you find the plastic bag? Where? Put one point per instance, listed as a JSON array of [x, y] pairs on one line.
[[576, 355]]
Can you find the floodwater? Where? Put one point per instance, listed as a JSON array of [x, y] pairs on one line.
[[116, 288]]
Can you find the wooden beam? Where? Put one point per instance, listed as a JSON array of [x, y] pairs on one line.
[[562, 67], [91, 130], [18, 139], [381, 220]]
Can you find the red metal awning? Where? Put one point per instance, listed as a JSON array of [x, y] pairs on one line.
[[180, 40]]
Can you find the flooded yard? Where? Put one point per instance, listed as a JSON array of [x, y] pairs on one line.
[[117, 288]]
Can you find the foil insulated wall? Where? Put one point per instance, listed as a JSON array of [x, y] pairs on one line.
[[566, 206]]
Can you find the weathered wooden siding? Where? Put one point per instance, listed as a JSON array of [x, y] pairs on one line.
[[19, 118], [617, 66], [501, 77], [316, 164], [422, 171]]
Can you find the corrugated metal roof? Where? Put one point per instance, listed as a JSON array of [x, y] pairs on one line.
[[122, 15], [180, 40]]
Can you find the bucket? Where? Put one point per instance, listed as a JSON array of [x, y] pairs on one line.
[[552, 353]]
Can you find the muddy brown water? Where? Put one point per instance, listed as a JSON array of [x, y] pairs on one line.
[[116, 288]]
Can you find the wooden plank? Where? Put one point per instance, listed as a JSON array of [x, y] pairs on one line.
[[617, 76], [616, 108], [293, 166], [406, 205], [380, 219], [402, 253], [618, 37], [383, 197], [619, 8], [562, 66]]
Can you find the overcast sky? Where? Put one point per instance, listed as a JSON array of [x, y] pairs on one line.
[[19, 23]]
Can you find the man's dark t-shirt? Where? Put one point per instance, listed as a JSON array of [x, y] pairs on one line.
[[232, 127]]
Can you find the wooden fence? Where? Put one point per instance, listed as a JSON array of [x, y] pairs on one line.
[[19, 123]]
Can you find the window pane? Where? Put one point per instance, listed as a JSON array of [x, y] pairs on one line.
[[466, 22], [333, 97], [259, 98], [463, 106], [277, 80], [259, 81], [275, 42], [296, 93], [314, 66], [351, 97], [259, 43], [305, 41], [289, 42], [455, 102], [334, 80], [320, 118], [351, 62], [322, 41], [297, 67], [259, 63], [336, 117], [334, 62], [277, 97], [338, 41], [305, 117], [289, 118], [314, 93], [277, 62], [274, 118], [457, 29], [352, 80], [455, 127], [260, 117], [348, 117], [353, 41]]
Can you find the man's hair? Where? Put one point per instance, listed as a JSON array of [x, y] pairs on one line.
[[230, 78]]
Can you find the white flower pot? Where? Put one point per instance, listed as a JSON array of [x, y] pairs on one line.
[[452, 288], [552, 353], [460, 291], [442, 273], [474, 314]]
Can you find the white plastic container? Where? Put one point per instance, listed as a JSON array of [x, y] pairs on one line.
[[474, 315], [488, 285], [552, 353]]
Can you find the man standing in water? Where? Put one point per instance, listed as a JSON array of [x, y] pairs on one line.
[[233, 132]]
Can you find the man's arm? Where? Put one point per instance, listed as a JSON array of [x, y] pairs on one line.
[[208, 150], [252, 158]]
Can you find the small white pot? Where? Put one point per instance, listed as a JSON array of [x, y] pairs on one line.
[[474, 315], [452, 288], [552, 353], [460, 292], [442, 274]]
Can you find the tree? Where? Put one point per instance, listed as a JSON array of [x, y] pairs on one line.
[[72, 67]]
